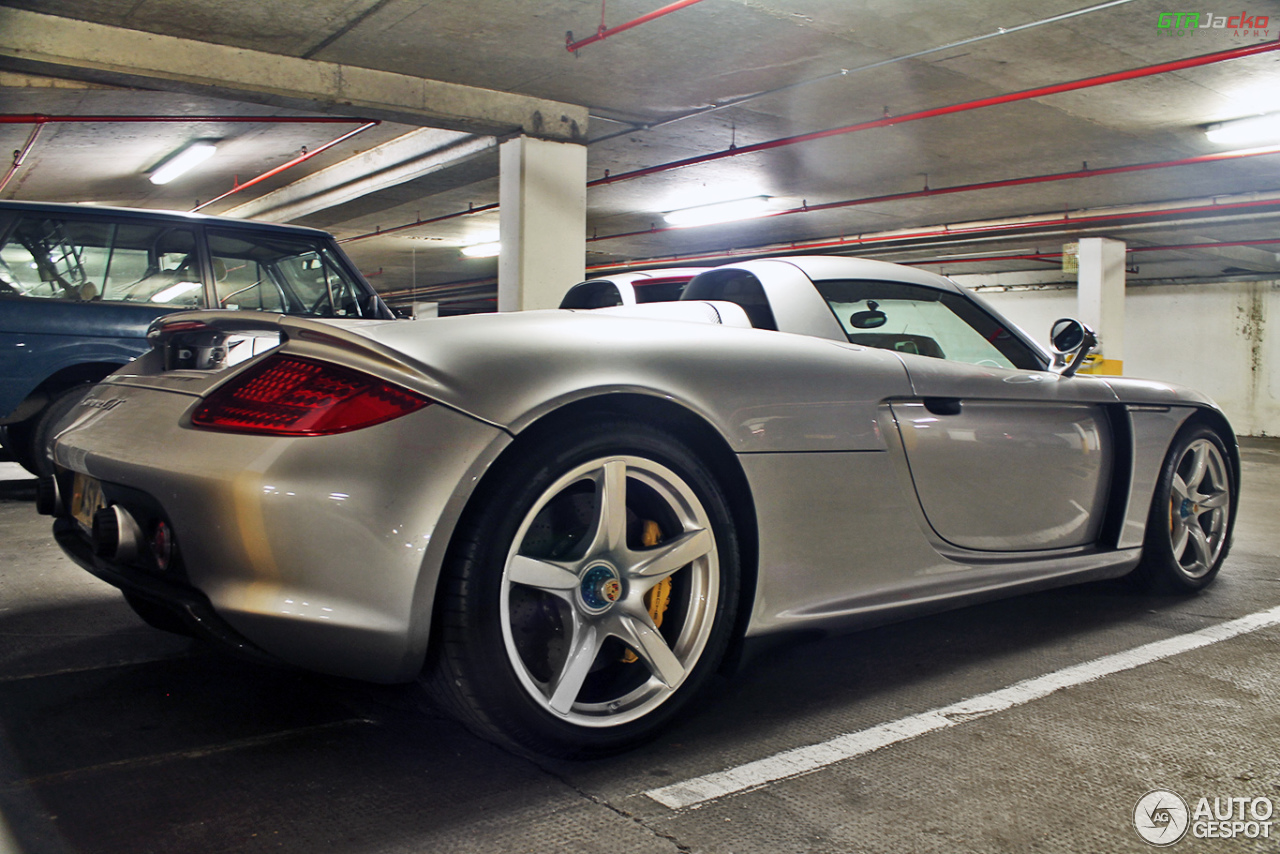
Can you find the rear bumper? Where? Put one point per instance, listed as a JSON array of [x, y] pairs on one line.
[[183, 601], [319, 552]]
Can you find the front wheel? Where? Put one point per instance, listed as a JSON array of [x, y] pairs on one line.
[[590, 595], [1192, 514]]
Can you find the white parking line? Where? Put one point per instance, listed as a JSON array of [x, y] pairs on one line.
[[804, 760]]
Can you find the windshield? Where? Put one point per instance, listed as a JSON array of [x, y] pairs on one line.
[[289, 274], [923, 321]]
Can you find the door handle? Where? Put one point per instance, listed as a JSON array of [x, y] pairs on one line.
[[942, 405]]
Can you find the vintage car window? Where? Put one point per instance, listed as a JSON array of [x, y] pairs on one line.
[[285, 273], [600, 294], [96, 259], [923, 321]]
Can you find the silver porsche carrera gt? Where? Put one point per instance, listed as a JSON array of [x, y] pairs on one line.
[[565, 522]]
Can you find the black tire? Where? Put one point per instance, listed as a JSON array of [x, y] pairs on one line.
[[537, 594], [157, 616], [37, 438], [1192, 514]]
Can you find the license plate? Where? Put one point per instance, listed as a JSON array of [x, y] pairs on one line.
[[86, 499]]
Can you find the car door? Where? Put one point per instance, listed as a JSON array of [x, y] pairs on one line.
[[1002, 454]]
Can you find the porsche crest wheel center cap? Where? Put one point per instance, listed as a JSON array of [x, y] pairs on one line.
[[600, 587]]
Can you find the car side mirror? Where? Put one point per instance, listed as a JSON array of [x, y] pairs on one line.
[[1071, 341]]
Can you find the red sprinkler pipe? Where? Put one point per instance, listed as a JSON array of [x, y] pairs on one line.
[[603, 33], [942, 231], [41, 120], [1051, 256], [987, 185], [1205, 59], [1037, 256], [1012, 97], [891, 197], [20, 155], [37, 119], [294, 162]]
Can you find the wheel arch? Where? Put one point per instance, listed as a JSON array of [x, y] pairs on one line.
[[690, 428], [1214, 419], [49, 387], [71, 375]]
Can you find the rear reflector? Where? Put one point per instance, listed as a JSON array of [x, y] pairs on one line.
[[290, 396]]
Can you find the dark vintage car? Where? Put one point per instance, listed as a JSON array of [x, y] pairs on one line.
[[79, 286]]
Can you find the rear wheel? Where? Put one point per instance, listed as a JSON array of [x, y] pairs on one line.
[[31, 442], [1192, 514], [590, 595]]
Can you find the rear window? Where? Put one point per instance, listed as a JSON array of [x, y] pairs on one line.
[[659, 290]]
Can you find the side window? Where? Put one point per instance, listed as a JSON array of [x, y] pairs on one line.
[[592, 295], [96, 259], [923, 321], [243, 283], [289, 274]]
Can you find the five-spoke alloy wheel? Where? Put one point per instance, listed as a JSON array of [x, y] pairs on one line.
[[1192, 514], [593, 595]]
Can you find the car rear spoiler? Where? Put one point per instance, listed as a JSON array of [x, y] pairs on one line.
[[215, 340]]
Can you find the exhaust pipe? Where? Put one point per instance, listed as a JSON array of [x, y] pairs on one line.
[[116, 534]]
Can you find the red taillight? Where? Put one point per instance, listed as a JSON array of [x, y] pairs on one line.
[[289, 396]]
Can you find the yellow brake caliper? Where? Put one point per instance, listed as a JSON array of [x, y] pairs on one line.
[[659, 597]]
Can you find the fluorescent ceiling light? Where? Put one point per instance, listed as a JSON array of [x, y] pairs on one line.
[[482, 250], [749, 208], [1258, 129], [186, 158]]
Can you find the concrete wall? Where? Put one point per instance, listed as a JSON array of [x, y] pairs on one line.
[[1210, 337]]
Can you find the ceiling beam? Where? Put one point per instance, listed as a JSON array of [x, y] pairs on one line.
[[409, 167], [62, 47], [1243, 257]]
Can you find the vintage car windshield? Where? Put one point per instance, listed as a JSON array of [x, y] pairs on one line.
[[289, 274], [923, 321]]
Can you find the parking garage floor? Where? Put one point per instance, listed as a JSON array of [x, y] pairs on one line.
[[115, 737]]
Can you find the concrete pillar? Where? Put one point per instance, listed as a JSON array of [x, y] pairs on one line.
[[1100, 300], [542, 222]]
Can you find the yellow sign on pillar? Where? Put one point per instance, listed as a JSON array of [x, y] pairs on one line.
[[1096, 364], [1071, 257]]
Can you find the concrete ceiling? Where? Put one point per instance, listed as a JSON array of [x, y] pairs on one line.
[[683, 85]]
